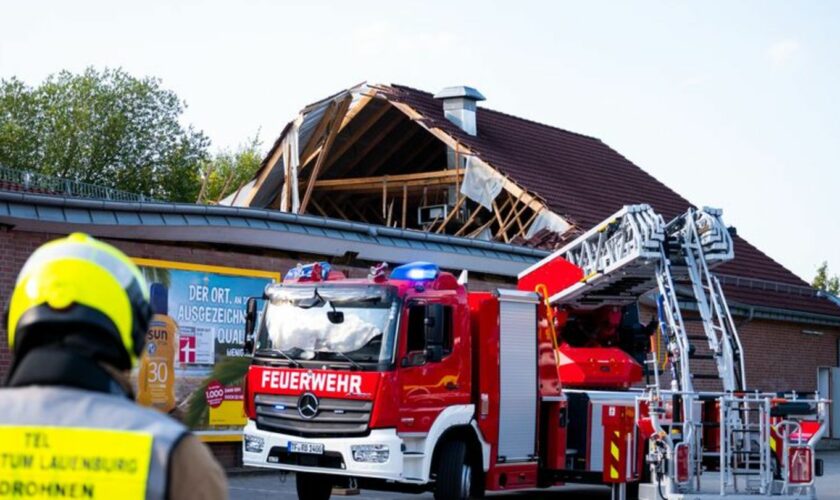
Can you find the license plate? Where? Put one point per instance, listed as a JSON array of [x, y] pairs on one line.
[[309, 448]]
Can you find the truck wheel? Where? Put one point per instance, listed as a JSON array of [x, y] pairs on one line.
[[313, 486], [454, 472]]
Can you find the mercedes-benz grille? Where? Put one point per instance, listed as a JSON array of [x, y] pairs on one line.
[[334, 417]]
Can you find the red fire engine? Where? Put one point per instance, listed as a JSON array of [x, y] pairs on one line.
[[410, 382]]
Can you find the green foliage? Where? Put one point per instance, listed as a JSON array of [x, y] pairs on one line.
[[229, 371], [822, 281], [226, 171], [102, 127]]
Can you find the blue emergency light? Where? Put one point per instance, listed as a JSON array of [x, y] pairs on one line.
[[305, 272], [416, 271]]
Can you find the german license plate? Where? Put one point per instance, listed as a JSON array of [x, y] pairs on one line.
[[309, 448]]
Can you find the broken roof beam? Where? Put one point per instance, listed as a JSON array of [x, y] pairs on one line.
[[360, 128], [334, 127], [446, 178], [447, 139]]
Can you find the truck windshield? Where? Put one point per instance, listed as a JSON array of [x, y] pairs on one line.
[[323, 322]]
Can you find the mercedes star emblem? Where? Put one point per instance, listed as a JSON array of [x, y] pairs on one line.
[[308, 405]]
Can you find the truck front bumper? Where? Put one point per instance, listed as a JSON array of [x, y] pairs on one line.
[[337, 458]]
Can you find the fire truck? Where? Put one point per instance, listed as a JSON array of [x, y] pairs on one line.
[[408, 381]]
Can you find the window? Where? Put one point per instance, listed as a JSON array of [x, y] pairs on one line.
[[417, 330], [447, 330]]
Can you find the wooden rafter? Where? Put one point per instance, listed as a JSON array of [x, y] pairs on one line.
[[516, 213], [469, 220], [451, 214], [315, 139], [392, 148], [375, 184], [347, 142], [404, 205], [325, 150], [498, 215], [381, 133]]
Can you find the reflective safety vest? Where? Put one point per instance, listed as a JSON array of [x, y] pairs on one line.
[[69, 443]]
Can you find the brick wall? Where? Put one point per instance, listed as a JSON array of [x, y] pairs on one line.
[[778, 356]]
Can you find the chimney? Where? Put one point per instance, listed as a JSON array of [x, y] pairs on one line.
[[459, 106]]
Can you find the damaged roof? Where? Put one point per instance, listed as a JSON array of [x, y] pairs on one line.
[[584, 180]]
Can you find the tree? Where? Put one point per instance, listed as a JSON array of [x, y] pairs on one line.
[[823, 282], [102, 127], [227, 170]]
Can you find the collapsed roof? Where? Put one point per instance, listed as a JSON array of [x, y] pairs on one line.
[[401, 157]]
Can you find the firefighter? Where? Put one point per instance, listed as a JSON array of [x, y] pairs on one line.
[[77, 323]]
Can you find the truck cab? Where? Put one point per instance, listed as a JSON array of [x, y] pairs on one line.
[[365, 379]]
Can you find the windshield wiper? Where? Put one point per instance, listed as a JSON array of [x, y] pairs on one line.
[[348, 358], [274, 352]]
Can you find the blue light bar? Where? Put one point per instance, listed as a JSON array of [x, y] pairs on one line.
[[305, 272], [416, 271]]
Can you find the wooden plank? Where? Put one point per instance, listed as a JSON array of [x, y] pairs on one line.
[[416, 179], [390, 213], [469, 220], [481, 228], [523, 231], [499, 219], [360, 130], [451, 214], [309, 149], [304, 154], [325, 151], [516, 213], [351, 113], [404, 205], [261, 178], [384, 196], [515, 204]]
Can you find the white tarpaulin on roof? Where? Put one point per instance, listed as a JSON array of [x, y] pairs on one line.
[[291, 160], [481, 183], [547, 220]]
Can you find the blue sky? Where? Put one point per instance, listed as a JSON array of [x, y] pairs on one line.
[[733, 104]]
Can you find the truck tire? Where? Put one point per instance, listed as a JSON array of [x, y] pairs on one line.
[[313, 486], [454, 472]]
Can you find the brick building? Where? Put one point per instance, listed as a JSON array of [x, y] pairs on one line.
[[384, 169]]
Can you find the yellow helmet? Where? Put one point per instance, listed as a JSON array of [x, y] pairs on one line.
[[77, 285]]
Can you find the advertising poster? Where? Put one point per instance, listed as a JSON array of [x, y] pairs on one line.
[[199, 322]]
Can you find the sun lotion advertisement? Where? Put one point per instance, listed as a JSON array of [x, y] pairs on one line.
[[156, 377], [197, 329]]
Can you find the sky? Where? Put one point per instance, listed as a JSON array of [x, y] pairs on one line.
[[732, 104]]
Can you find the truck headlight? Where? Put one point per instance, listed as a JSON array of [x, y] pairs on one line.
[[376, 453], [254, 444]]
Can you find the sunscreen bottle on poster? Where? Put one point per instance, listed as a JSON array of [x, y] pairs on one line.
[[156, 378]]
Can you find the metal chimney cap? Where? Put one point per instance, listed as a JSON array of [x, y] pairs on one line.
[[460, 91]]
